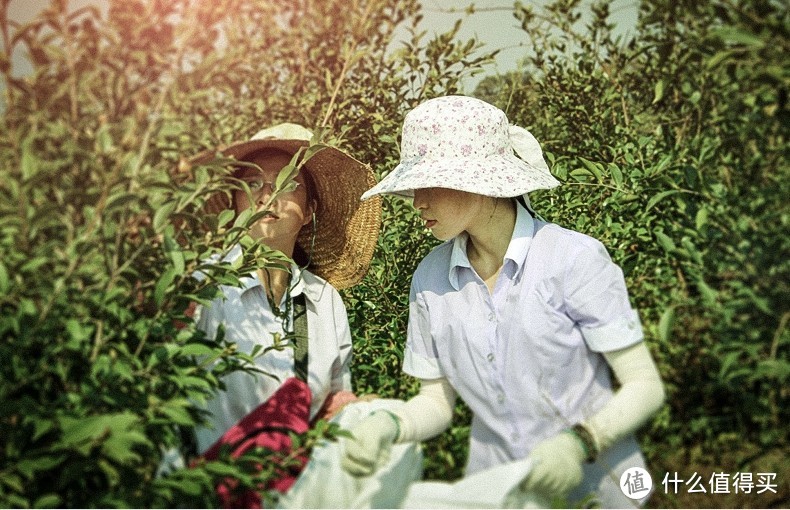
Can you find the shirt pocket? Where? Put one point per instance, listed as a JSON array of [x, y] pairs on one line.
[[543, 320], [557, 342]]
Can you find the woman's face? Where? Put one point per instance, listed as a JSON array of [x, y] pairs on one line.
[[288, 213], [447, 212]]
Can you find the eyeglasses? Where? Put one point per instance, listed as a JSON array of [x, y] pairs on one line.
[[257, 185]]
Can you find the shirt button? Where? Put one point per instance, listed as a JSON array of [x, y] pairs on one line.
[[492, 316], [490, 356], [514, 436], [631, 325], [500, 398]]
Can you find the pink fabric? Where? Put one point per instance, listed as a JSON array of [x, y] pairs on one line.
[[334, 403], [288, 410]]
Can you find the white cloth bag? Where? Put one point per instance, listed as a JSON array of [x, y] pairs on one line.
[[324, 484], [496, 487]]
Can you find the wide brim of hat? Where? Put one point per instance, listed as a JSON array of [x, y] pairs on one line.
[[346, 229], [494, 176]]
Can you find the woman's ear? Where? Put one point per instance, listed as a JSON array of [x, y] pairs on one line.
[[311, 210]]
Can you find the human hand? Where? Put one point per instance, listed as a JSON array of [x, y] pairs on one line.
[[557, 466], [370, 446]]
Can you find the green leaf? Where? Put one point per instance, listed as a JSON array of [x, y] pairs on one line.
[[616, 173], [286, 175], [120, 199], [773, 369], [4, 282], [104, 140], [78, 331], [312, 150], [221, 469], [581, 174], [197, 350], [701, 219], [736, 35], [719, 57], [177, 413], [658, 197], [224, 217], [729, 359], [658, 90], [162, 215], [201, 176], [119, 447], [666, 323], [109, 471], [28, 467], [761, 303], [595, 168], [13, 481], [666, 242], [162, 285], [29, 163], [174, 253], [241, 219], [709, 295], [48, 501]]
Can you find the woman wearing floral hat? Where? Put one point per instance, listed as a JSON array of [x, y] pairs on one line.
[[521, 318], [319, 221]]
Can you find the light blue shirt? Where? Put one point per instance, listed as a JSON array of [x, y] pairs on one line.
[[249, 321], [526, 357]]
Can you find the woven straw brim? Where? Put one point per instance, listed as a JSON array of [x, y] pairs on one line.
[[347, 229]]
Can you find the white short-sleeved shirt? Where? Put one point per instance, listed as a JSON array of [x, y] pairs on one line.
[[525, 358], [249, 321]]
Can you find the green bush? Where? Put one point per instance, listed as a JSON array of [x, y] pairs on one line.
[[101, 222], [672, 148]]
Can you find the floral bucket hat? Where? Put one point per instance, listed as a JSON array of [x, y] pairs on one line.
[[346, 229], [463, 143]]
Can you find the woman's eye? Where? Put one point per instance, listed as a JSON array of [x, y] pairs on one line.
[[255, 185]]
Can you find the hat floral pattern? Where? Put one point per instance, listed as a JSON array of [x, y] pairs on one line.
[[463, 143]]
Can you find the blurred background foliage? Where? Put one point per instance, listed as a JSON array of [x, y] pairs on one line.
[[671, 146]]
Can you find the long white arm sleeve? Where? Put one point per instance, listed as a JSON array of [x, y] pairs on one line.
[[641, 394], [428, 413]]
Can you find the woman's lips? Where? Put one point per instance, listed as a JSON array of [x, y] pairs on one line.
[[430, 223]]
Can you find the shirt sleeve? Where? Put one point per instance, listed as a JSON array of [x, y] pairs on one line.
[[208, 318], [420, 357], [596, 298], [341, 370]]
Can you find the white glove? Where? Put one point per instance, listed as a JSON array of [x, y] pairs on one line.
[[557, 466], [369, 448]]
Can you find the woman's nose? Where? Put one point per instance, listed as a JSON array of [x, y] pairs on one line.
[[263, 194], [419, 202]]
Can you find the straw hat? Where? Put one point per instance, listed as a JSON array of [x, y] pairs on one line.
[[346, 229], [463, 143]]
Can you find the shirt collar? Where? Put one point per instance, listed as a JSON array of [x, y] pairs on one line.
[[252, 280], [521, 239], [516, 252]]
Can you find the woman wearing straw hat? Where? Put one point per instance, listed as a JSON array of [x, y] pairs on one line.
[[521, 318], [318, 221]]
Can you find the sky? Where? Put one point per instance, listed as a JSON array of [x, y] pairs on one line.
[[492, 23]]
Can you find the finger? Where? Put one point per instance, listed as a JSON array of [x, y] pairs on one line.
[[355, 467]]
